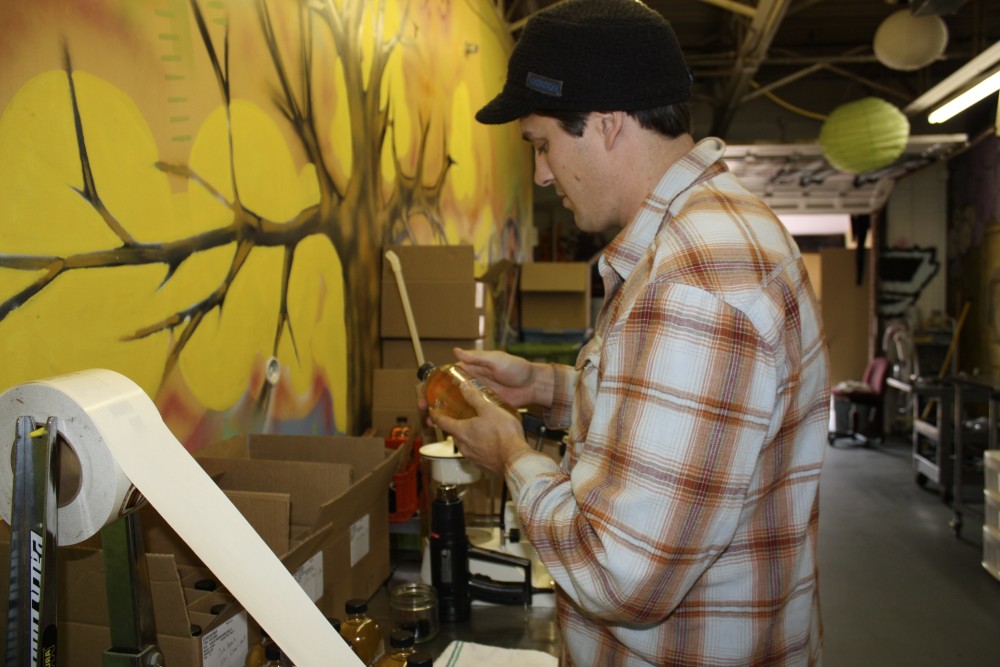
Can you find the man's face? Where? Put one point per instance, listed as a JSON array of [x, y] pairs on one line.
[[575, 167]]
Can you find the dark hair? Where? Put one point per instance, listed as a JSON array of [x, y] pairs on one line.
[[671, 120]]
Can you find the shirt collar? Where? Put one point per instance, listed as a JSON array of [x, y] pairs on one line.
[[631, 244]]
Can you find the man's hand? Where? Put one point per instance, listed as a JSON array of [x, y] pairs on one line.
[[516, 380], [488, 440]]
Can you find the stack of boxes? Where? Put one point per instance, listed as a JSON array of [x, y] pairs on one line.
[[449, 310], [449, 307]]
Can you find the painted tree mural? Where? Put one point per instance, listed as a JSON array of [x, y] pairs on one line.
[[230, 238]]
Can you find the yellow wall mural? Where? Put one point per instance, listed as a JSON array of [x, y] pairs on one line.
[[195, 193]]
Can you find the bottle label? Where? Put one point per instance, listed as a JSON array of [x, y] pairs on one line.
[[360, 539]]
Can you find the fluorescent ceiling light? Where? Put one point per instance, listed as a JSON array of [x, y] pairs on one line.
[[961, 77], [816, 224], [990, 84]]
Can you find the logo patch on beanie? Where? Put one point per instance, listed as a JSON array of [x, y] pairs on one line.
[[544, 85]]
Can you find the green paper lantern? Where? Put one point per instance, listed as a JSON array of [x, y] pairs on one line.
[[864, 135]]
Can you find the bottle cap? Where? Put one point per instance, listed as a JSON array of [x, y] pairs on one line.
[[272, 652], [217, 608], [206, 585], [356, 606], [426, 368], [401, 639], [419, 659], [195, 630]]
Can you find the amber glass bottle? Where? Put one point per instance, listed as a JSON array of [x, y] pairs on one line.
[[400, 647], [362, 632], [256, 657], [441, 388]]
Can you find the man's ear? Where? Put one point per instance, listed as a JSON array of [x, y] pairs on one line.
[[612, 123]]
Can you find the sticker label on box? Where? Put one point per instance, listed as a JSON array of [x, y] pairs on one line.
[[360, 539], [226, 645], [310, 576]]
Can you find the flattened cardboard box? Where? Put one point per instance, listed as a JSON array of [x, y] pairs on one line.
[[335, 541]]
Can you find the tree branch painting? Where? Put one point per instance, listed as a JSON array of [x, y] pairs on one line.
[[323, 131]]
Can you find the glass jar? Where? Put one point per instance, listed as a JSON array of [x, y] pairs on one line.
[[415, 608], [441, 387]]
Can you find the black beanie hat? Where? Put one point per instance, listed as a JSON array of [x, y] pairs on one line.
[[592, 55]]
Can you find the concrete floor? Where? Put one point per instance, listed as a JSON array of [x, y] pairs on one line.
[[897, 587]]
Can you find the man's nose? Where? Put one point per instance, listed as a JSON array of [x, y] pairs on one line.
[[543, 175]]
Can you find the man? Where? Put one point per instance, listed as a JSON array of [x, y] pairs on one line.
[[681, 526]]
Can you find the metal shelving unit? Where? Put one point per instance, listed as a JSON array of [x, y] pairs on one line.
[[932, 432], [968, 442]]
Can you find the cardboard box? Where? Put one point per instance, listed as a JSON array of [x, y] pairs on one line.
[[419, 263], [177, 607], [398, 352], [445, 299], [344, 553], [320, 503], [394, 394], [555, 296], [441, 309]]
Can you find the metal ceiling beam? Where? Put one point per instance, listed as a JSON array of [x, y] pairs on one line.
[[733, 6], [774, 85], [760, 33]]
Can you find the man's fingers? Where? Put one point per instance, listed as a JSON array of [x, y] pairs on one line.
[[448, 424], [472, 391]]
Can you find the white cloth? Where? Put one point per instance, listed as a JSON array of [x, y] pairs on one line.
[[467, 654]]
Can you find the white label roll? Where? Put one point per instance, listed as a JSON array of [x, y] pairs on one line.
[[119, 439], [92, 407]]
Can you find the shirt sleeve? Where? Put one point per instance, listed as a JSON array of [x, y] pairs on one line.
[[559, 414], [685, 392]]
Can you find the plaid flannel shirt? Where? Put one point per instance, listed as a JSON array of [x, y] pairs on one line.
[[681, 525]]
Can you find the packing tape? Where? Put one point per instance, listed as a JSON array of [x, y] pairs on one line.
[[124, 448]]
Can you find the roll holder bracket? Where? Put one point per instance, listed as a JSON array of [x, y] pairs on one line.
[[32, 592], [31, 630]]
